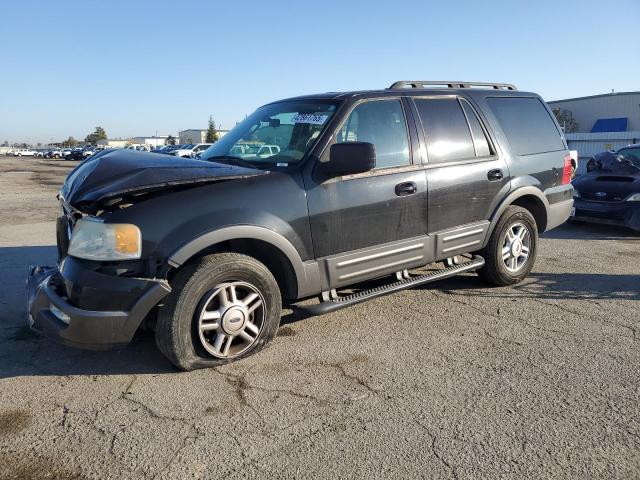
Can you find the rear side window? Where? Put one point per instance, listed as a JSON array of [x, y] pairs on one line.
[[527, 124], [446, 129]]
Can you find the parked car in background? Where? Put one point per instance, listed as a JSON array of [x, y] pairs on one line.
[[166, 149], [191, 150], [259, 151], [65, 152], [609, 193], [26, 152], [207, 251], [88, 151], [81, 153]]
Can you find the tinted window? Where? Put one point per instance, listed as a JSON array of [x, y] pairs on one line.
[[446, 129], [632, 154], [382, 123], [480, 141], [527, 124]]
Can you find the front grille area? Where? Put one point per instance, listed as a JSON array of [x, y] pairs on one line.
[[608, 198]]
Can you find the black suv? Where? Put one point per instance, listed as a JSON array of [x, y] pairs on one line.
[[305, 197]]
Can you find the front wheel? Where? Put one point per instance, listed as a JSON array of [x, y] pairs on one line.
[[512, 248], [223, 307]]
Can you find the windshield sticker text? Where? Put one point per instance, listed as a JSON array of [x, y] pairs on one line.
[[310, 118]]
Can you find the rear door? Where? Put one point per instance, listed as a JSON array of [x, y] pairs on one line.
[[371, 224], [465, 175]]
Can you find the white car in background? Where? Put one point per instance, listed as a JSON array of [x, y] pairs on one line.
[[255, 152], [25, 152], [192, 150]]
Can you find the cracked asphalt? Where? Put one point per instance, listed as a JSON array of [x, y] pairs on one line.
[[453, 380]]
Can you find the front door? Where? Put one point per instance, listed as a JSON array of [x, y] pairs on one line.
[[371, 224]]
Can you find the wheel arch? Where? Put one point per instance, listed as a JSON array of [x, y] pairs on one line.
[[296, 278], [528, 197]]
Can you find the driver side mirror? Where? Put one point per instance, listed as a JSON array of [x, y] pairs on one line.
[[350, 158]]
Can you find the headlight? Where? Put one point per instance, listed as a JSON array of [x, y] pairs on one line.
[[94, 240], [576, 194], [633, 198]]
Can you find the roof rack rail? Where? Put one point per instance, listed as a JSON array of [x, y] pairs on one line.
[[450, 84]]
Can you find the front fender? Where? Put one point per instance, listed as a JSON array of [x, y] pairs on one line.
[[307, 273]]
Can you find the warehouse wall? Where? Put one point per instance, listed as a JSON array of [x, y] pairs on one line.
[[587, 110]]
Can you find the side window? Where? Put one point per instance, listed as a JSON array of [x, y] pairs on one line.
[[446, 129], [480, 142], [527, 124], [382, 123]]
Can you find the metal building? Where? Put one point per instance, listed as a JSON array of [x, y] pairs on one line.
[[605, 122], [588, 110]]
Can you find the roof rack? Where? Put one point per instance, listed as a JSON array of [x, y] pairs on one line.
[[450, 84]]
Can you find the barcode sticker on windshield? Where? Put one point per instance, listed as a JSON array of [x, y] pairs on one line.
[[310, 118]]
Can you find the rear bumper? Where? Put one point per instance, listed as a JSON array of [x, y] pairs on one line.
[[59, 305], [623, 214], [558, 213]]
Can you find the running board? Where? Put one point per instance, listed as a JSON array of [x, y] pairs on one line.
[[413, 281]]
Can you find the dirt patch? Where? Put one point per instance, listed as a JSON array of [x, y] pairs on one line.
[[287, 332], [14, 466], [13, 421]]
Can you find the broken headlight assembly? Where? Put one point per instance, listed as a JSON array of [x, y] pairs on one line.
[[92, 239]]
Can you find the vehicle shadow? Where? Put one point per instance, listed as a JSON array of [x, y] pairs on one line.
[[548, 286], [591, 231]]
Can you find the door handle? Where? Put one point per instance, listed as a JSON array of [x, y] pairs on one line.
[[406, 188], [494, 175]]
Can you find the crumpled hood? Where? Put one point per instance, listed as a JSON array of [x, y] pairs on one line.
[[116, 173]]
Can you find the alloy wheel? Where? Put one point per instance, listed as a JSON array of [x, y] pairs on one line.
[[516, 247], [230, 319]]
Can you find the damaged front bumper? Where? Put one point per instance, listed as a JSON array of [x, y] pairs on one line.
[[87, 309], [623, 214]]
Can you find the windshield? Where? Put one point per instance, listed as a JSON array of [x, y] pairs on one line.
[[632, 154], [279, 133]]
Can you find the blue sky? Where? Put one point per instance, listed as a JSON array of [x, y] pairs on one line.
[[137, 67]]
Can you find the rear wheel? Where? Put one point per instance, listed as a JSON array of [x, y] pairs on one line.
[[223, 307], [511, 251]]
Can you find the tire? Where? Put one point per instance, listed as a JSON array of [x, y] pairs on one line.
[[180, 334], [498, 270]]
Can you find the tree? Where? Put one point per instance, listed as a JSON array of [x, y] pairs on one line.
[[70, 142], [170, 140], [98, 134], [6, 143], [212, 134], [566, 120]]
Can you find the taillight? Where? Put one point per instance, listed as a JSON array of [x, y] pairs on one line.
[[566, 170]]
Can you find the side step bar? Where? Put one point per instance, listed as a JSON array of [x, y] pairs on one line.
[[413, 281]]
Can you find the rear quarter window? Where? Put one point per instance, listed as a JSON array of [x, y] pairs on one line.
[[527, 124]]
